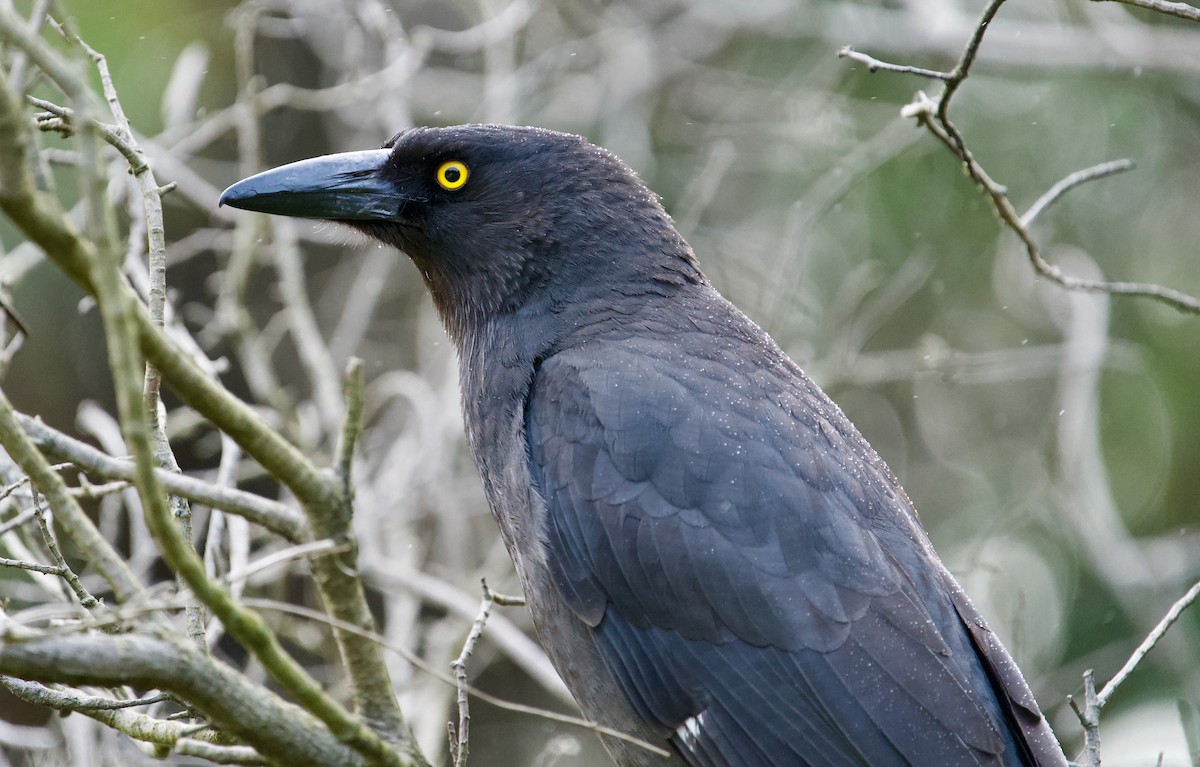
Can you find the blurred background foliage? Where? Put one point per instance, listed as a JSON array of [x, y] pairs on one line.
[[1050, 440]]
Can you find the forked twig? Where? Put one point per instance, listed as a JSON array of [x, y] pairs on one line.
[[933, 114], [460, 735]]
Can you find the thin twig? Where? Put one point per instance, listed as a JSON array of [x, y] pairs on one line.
[[527, 654], [418, 662], [274, 516], [1008, 214], [157, 266], [35, 567], [1181, 10], [23, 481], [460, 737], [874, 65], [41, 219], [85, 598], [933, 114], [106, 81], [228, 533], [91, 492], [111, 704], [352, 394], [18, 520], [1051, 195], [1089, 717], [963, 68], [1149, 642], [322, 547], [74, 522]]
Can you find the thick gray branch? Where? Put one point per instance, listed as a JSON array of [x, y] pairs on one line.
[[272, 515], [280, 731]]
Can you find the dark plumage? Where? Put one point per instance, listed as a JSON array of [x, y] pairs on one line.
[[715, 559]]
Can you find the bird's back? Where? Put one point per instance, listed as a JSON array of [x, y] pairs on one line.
[[756, 580]]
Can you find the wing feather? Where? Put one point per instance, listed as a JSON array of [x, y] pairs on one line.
[[756, 580]]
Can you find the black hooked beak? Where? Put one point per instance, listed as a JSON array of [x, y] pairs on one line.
[[340, 187]]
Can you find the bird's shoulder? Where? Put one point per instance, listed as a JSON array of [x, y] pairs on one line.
[[693, 458]]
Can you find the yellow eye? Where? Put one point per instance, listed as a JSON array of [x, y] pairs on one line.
[[452, 175]]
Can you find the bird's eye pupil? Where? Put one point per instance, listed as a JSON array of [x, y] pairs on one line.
[[452, 174]]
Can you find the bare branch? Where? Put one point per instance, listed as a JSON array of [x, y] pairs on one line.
[[126, 328], [1008, 214], [156, 250], [272, 515], [321, 495], [1181, 10], [24, 480], [524, 652], [1103, 170], [86, 599], [71, 517], [279, 730], [304, 550], [874, 65], [1089, 712], [217, 754], [460, 736], [1089, 717], [963, 68], [1148, 643], [33, 567], [352, 393], [18, 520], [268, 604], [933, 114]]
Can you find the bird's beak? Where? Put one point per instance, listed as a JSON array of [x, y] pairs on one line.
[[340, 187]]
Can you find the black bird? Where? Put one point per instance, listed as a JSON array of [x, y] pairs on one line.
[[715, 559]]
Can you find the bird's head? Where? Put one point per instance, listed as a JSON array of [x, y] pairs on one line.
[[497, 218]]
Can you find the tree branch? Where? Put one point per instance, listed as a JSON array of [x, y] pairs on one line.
[[933, 114], [272, 515], [88, 601], [282, 732], [1089, 717], [1051, 195], [874, 65], [71, 517], [1148, 643], [1180, 10], [352, 394], [506, 705], [329, 510]]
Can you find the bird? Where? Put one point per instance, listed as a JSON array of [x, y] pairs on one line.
[[715, 560]]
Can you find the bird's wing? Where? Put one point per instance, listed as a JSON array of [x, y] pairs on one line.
[[757, 580], [1037, 737]]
